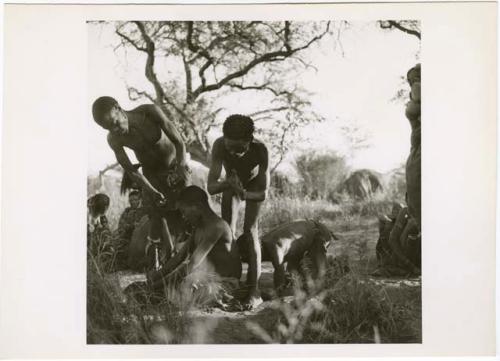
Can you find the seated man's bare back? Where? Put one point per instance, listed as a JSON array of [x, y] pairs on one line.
[[210, 249]]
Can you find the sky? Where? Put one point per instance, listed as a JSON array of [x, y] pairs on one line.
[[353, 85]]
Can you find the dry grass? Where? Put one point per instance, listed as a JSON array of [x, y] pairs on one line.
[[346, 309]]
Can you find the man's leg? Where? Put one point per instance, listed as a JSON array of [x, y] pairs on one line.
[[158, 229], [251, 228], [317, 254], [229, 209], [277, 259]]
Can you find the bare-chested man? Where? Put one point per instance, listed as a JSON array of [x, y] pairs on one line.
[[211, 247], [245, 161], [288, 244], [159, 149]]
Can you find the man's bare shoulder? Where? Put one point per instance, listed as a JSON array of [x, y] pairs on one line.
[[114, 140], [151, 111], [218, 146], [259, 145], [143, 108], [218, 142], [221, 227], [261, 148]]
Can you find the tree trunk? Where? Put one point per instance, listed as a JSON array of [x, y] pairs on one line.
[[198, 153]]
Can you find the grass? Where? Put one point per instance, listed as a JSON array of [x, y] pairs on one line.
[[348, 308]]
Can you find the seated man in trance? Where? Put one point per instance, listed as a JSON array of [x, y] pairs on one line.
[[210, 249], [287, 245]]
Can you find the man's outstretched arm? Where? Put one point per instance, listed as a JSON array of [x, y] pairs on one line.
[[123, 159], [172, 264], [203, 249], [215, 186]]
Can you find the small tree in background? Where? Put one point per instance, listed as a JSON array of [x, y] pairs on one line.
[[320, 173]]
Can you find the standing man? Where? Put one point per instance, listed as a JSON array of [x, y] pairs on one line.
[[413, 163], [246, 163], [160, 151]]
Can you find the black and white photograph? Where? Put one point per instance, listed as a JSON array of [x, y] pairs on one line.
[[254, 182], [207, 180]]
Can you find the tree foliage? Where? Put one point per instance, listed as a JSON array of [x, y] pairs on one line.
[[190, 65], [321, 173]]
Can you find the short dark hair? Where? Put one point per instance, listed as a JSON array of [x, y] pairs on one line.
[[238, 127], [98, 204], [193, 195], [102, 106]]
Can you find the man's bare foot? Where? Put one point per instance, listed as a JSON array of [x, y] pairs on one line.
[[254, 300]]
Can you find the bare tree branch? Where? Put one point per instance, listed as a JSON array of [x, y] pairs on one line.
[[394, 24], [272, 56], [265, 86], [266, 111], [130, 41]]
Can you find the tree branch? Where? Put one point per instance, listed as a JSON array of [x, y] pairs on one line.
[[196, 49], [265, 86], [189, 78], [161, 97], [272, 110], [130, 41], [271, 56], [394, 24]]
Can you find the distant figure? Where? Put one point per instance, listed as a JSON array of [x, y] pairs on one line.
[[401, 254], [99, 240], [413, 163], [129, 219], [288, 244], [246, 163], [386, 223], [97, 205], [160, 151], [210, 250], [131, 215]]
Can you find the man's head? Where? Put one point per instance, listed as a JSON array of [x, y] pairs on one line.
[[238, 134], [134, 199], [109, 115], [192, 203], [98, 204]]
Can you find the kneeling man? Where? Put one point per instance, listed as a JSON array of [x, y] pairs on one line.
[[210, 249]]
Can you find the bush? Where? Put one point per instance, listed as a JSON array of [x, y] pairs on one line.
[[320, 173]]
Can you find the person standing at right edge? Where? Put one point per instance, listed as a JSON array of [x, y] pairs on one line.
[[413, 164], [246, 163]]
